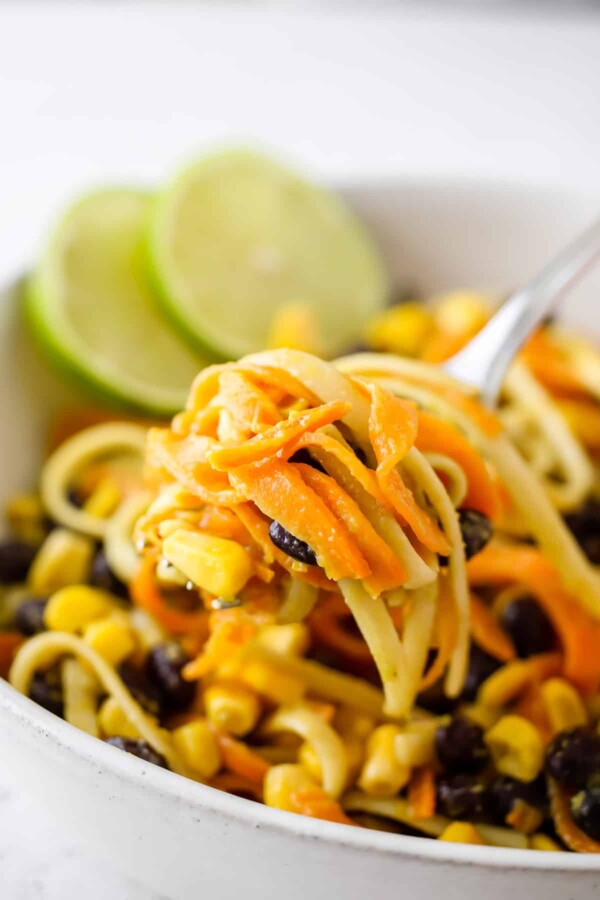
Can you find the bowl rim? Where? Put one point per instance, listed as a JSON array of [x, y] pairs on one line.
[[97, 754], [100, 756]]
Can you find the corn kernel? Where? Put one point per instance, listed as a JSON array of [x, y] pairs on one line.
[[112, 639], [26, 516], [462, 312], [288, 640], [113, 721], [73, 608], [504, 685], [402, 329], [198, 747], [295, 327], [416, 747], [105, 499], [564, 707], [484, 716], [218, 565], [381, 773], [516, 747], [543, 842], [232, 707], [64, 559], [461, 833], [282, 781], [272, 683]]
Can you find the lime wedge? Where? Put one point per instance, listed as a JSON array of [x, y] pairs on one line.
[[93, 311], [236, 237]]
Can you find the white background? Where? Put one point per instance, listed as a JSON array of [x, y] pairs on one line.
[[93, 93]]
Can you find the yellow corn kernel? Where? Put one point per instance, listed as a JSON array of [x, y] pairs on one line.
[[112, 639], [516, 747], [65, 558], [282, 781], [461, 312], [402, 329], [309, 760], [234, 708], [543, 842], [73, 608], [381, 773], [105, 499], [113, 722], [294, 326], [564, 707], [26, 516], [484, 716], [461, 833], [288, 640], [504, 684], [416, 747], [218, 565], [198, 747], [271, 682]]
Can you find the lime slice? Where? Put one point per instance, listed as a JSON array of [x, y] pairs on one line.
[[236, 237], [93, 311]]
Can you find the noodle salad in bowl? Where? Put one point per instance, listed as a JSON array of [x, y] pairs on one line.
[[345, 590]]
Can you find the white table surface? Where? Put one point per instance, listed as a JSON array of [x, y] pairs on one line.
[[107, 92]]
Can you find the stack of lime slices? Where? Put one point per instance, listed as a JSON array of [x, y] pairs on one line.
[[135, 293]]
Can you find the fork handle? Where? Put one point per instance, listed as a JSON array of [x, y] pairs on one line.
[[485, 359]]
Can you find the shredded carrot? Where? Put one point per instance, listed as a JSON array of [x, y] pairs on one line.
[[387, 571], [240, 759], [146, 594], [578, 632], [487, 632], [393, 425], [547, 361], [422, 793], [487, 421], [326, 623], [443, 344], [10, 641], [436, 436], [317, 804], [276, 438], [184, 459], [279, 491], [445, 632], [250, 407], [365, 477], [230, 629], [404, 503], [567, 830]]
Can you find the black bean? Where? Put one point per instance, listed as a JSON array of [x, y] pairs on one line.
[[291, 545], [163, 668], [434, 699], [303, 456], [481, 666], [476, 530], [585, 525], [529, 627], [29, 617], [462, 797], [146, 693], [573, 758], [585, 808], [460, 746], [46, 690], [141, 749], [503, 793], [103, 577], [15, 561]]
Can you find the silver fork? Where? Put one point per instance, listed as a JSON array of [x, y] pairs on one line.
[[482, 364]]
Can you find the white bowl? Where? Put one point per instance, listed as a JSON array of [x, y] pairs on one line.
[[185, 839]]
